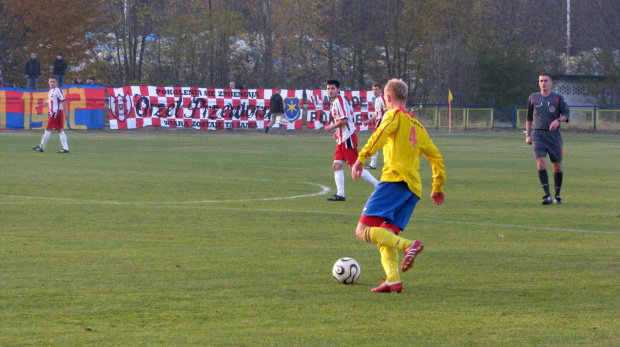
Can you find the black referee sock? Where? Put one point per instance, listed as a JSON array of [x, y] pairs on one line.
[[544, 180], [557, 178]]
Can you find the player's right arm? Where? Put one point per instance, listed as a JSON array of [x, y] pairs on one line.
[[371, 119], [340, 114], [528, 120], [337, 124], [379, 137]]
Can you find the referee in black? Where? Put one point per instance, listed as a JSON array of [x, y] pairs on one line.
[[546, 111]]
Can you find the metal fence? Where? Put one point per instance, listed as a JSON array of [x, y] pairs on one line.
[[465, 117]]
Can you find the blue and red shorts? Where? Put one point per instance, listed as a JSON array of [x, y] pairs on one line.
[[390, 206]]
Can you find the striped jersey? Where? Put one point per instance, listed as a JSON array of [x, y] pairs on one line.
[[340, 109], [380, 109], [403, 139], [55, 97]]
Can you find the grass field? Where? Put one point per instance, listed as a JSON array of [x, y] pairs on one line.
[[181, 238]]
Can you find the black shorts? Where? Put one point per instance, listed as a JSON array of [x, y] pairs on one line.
[[547, 142]]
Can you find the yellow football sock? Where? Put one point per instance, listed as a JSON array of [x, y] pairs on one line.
[[383, 237], [389, 260]]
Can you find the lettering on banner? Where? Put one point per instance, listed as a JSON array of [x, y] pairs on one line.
[[185, 92], [239, 94], [197, 108], [320, 116]]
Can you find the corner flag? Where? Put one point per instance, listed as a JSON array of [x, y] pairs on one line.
[[449, 110]]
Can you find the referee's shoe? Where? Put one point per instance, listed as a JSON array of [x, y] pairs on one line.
[[547, 200]]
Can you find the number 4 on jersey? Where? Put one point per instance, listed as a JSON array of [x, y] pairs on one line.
[[412, 137]]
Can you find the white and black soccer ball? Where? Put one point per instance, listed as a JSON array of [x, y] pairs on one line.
[[346, 271]]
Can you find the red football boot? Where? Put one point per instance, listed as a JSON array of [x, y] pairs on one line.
[[386, 288], [410, 254]]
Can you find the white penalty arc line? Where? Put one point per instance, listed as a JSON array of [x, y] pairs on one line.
[[323, 190]]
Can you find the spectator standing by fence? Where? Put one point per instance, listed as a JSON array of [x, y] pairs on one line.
[[59, 68], [276, 106], [32, 71]]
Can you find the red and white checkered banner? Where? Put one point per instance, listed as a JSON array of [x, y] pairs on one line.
[[318, 103], [133, 107]]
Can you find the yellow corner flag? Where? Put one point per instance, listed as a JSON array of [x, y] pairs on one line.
[[450, 98]]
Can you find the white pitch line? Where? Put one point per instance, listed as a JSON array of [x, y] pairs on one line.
[[518, 226], [324, 190], [498, 225]]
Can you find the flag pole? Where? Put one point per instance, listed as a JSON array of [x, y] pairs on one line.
[[449, 110]]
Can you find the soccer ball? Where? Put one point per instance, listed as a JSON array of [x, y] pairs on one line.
[[346, 271]]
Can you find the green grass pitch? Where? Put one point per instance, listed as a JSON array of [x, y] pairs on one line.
[[192, 238]]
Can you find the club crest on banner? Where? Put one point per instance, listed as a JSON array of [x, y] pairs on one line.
[[121, 106], [292, 108]]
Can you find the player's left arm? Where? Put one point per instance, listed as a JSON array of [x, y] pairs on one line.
[[63, 102], [564, 113], [564, 110], [65, 108], [433, 155]]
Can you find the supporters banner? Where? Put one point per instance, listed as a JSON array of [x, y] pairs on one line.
[[133, 107], [86, 108], [318, 103]]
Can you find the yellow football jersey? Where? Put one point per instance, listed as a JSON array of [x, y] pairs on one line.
[[403, 139]]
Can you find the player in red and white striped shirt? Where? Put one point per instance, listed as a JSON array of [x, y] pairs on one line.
[[380, 110], [346, 139], [56, 104]]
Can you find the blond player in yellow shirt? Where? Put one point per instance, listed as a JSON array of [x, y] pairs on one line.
[[389, 208]]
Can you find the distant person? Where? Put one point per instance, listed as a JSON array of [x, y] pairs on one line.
[[60, 66], [231, 85], [32, 72], [78, 80], [388, 209], [91, 80], [346, 140], [57, 105], [380, 110], [276, 104], [546, 110]]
